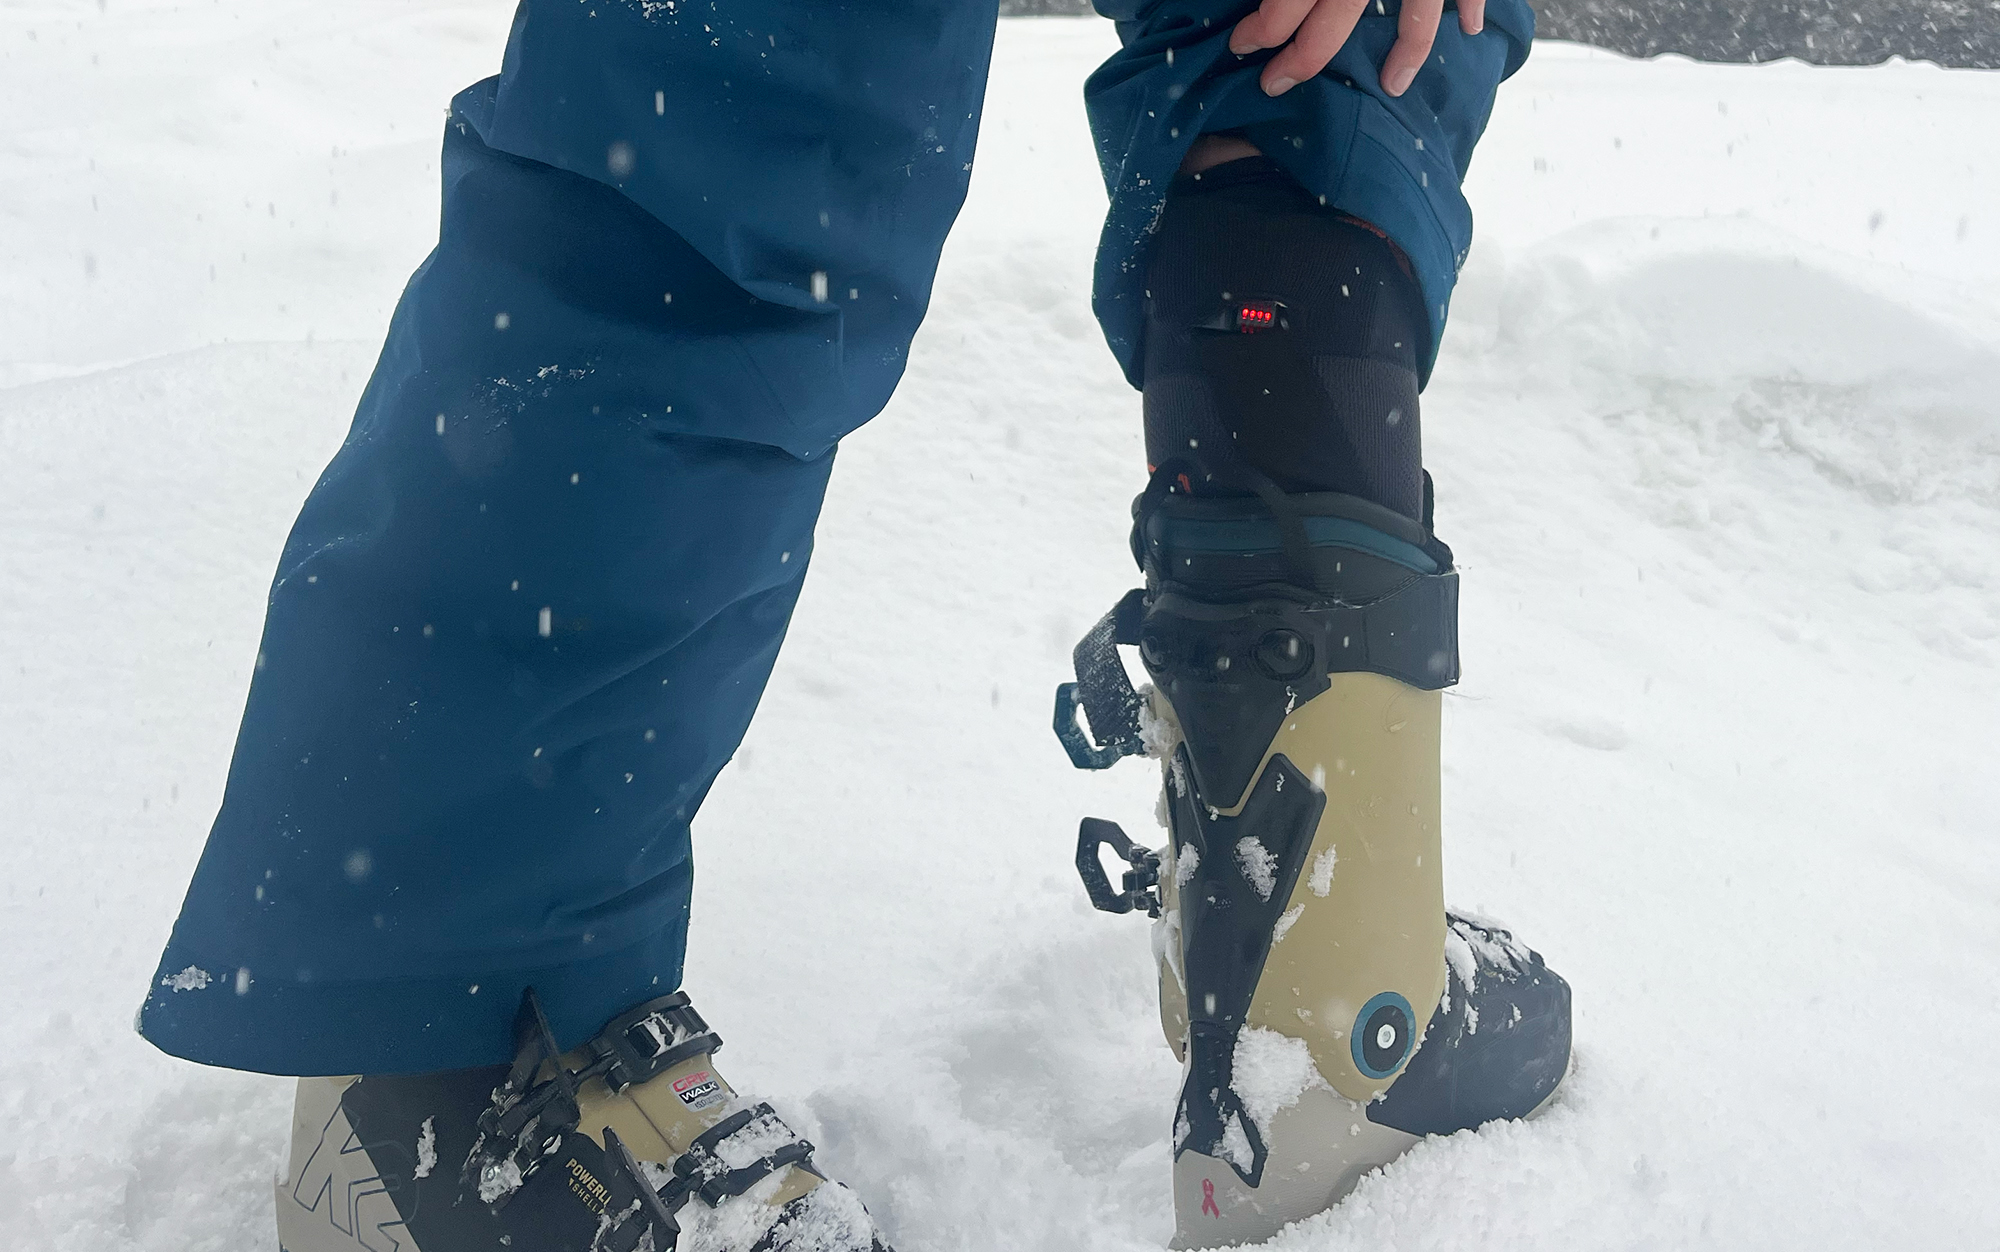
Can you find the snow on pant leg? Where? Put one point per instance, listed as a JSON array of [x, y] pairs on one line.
[[528, 610], [1396, 162]]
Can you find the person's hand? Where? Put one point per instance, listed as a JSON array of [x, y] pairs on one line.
[[1311, 31]]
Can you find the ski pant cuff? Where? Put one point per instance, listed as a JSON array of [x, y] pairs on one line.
[[237, 1019]]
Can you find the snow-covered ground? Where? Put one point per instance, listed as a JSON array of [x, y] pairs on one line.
[[1717, 436]]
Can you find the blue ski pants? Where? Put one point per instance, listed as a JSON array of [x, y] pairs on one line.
[[527, 611]]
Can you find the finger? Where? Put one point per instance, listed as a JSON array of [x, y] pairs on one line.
[[1272, 24], [1325, 29], [1472, 16], [1415, 33]]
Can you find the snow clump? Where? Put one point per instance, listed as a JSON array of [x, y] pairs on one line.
[[1259, 866], [189, 979], [427, 1148], [1321, 880], [1269, 1074]]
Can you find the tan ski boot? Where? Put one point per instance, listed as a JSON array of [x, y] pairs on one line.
[[633, 1143], [1328, 1010]]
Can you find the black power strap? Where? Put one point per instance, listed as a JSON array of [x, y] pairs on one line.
[[1409, 634]]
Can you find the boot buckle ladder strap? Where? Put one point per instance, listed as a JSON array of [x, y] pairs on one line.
[[703, 1170], [651, 1209], [526, 1114]]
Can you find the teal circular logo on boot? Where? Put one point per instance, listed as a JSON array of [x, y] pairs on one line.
[[1383, 1034]]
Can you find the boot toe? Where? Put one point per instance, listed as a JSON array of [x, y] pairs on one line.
[[1497, 1046]]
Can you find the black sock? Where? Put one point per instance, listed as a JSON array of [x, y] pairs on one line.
[[1283, 338]]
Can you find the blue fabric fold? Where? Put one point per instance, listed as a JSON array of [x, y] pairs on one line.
[[1395, 162]]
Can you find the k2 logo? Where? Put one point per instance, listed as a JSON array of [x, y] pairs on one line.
[[341, 1176]]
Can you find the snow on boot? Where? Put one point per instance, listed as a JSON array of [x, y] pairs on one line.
[[633, 1143], [1329, 1012]]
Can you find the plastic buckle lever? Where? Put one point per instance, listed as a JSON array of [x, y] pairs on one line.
[[1075, 740], [1140, 882], [1103, 692], [651, 1039]]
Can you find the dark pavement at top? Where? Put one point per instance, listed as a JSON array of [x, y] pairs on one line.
[[1827, 32]]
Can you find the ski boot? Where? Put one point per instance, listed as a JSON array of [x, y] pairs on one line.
[[633, 1143], [1299, 623], [1328, 1010]]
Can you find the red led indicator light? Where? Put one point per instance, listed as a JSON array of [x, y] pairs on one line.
[[1255, 315]]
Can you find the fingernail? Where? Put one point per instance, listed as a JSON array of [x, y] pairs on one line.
[[1242, 49], [1279, 86], [1478, 24], [1399, 81]]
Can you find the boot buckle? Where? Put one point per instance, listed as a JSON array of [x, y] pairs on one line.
[[650, 1040], [1141, 882]]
